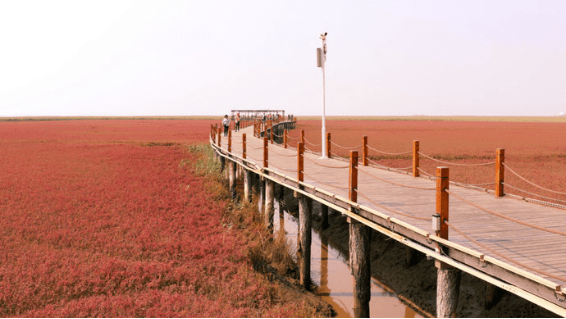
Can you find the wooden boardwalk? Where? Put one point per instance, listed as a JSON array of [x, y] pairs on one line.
[[521, 259]]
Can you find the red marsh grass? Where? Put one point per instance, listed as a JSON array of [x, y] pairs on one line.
[[108, 219], [533, 149]]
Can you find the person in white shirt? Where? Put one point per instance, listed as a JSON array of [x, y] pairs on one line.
[[226, 124], [237, 121]]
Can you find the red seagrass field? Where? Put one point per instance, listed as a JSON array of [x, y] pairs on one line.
[[105, 218], [534, 148]]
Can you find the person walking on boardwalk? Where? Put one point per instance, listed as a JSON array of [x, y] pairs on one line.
[[237, 122], [226, 124]]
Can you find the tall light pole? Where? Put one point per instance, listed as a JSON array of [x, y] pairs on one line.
[[321, 61]]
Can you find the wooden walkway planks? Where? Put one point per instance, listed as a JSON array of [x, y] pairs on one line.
[[532, 247]]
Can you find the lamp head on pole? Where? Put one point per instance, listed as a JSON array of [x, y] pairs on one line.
[[322, 51]]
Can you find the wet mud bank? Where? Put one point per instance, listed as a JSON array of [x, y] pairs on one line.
[[413, 285]]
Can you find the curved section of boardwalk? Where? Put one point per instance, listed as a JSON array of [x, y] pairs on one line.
[[526, 261]]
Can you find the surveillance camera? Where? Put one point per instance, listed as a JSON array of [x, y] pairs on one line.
[[325, 33]]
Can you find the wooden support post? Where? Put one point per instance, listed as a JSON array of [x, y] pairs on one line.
[[411, 257], [359, 247], [269, 204], [244, 146], [448, 278], [248, 185], [323, 216], [229, 141], [304, 232], [416, 172], [499, 172], [328, 145], [303, 136], [232, 178], [447, 291], [265, 152], [285, 138], [365, 150], [304, 247], [281, 201], [222, 163], [353, 181], [323, 265], [493, 295], [256, 184]]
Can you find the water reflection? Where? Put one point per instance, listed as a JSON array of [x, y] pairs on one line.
[[331, 273]]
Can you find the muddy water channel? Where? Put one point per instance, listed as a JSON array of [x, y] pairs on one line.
[[330, 272]]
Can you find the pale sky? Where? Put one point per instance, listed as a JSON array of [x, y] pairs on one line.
[[208, 57]]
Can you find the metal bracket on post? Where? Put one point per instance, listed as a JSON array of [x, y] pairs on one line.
[[436, 223], [483, 263]]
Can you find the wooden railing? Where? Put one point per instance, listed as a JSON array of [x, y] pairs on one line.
[[440, 220]]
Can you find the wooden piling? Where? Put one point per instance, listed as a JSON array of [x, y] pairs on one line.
[[499, 172], [448, 278], [447, 291], [411, 257], [365, 150], [360, 247], [324, 264], [232, 178], [304, 247], [285, 138], [281, 200], [261, 184], [269, 204], [493, 295], [416, 172], [248, 184], [304, 232], [256, 184], [323, 216], [303, 136]]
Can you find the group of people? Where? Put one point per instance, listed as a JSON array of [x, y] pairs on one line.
[[266, 117], [226, 123]]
